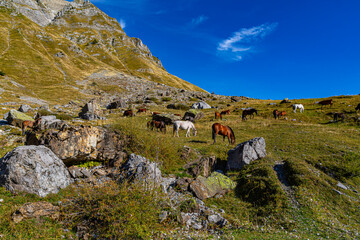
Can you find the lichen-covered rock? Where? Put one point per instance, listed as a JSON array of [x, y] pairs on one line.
[[16, 118], [77, 144], [33, 169], [246, 152], [216, 183], [35, 210]]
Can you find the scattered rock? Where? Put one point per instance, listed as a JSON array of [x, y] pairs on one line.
[[36, 210], [91, 111], [246, 152], [79, 172], [236, 99], [48, 122], [24, 108], [33, 169], [201, 105]]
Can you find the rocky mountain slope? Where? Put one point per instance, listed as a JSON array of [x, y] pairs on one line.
[[50, 45]]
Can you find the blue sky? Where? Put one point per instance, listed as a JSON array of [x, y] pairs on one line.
[[260, 48]]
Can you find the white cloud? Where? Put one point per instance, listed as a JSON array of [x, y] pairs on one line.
[[122, 23], [244, 40], [199, 20]]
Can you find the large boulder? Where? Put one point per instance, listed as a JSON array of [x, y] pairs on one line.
[[50, 121], [77, 144], [216, 184], [201, 105], [91, 111], [33, 169], [246, 152], [141, 170], [167, 118], [120, 103], [16, 118]]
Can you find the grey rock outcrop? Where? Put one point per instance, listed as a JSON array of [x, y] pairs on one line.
[[117, 104], [246, 152], [77, 144], [91, 111], [201, 105], [48, 122], [24, 108], [33, 169]]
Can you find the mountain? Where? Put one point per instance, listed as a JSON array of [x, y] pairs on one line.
[[54, 50]]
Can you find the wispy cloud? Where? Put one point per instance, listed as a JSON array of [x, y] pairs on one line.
[[198, 20], [244, 41], [122, 23]]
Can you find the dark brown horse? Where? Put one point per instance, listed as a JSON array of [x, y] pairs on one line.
[[141, 110], [218, 115], [247, 112], [129, 113], [326, 102], [358, 107], [278, 114], [225, 131], [158, 125], [339, 116], [226, 112], [30, 124]]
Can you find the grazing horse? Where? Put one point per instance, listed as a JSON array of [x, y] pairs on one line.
[[30, 124], [358, 107], [247, 112], [184, 125], [326, 102], [338, 116], [141, 110], [218, 115], [281, 114], [225, 131], [129, 113], [276, 113], [226, 112], [158, 124], [298, 106]]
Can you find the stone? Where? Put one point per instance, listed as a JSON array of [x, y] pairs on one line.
[[117, 104], [236, 99], [36, 210], [50, 121], [246, 152], [91, 111], [16, 118], [79, 172], [341, 185], [203, 166], [216, 183], [24, 108], [33, 169], [78, 144], [182, 184], [201, 105]]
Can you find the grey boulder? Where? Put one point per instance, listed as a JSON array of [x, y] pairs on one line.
[[246, 152], [33, 169], [201, 105], [24, 108]]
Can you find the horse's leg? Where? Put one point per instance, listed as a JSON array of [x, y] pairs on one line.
[[223, 138]]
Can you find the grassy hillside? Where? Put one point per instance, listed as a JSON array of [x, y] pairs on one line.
[[292, 193]]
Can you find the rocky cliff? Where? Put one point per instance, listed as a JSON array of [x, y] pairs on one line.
[[46, 45]]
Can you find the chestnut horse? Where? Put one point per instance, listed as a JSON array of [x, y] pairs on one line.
[[129, 113], [218, 115], [225, 131], [278, 114], [158, 124], [141, 110], [250, 112], [226, 112], [29, 124]]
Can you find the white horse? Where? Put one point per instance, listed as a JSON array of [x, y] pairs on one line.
[[184, 125], [298, 106]]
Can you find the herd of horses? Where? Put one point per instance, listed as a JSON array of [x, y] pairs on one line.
[[219, 129]]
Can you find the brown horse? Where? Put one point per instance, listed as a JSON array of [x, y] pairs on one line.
[[141, 110], [158, 125], [339, 116], [129, 113], [218, 115], [247, 112], [282, 114], [226, 112], [326, 102], [278, 114], [30, 124], [225, 131]]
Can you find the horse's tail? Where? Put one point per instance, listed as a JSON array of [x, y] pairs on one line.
[[232, 133]]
